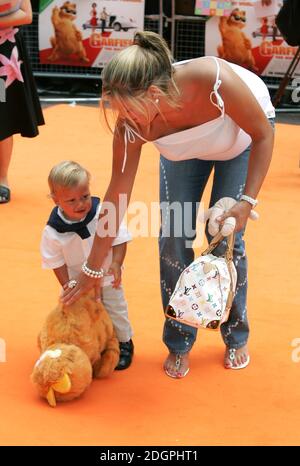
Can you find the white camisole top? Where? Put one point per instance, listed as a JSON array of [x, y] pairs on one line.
[[218, 139]]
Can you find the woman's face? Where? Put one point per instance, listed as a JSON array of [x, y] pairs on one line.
[[141, 116]]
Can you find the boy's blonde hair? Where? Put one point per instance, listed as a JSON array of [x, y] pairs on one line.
[[130, 73], [67, 174]]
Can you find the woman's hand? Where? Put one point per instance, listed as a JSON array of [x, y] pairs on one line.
[[240, 211], [84, 284]]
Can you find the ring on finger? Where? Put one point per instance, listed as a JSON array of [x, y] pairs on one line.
[[72, 284]]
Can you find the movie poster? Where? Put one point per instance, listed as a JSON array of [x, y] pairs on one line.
[[249, 37], [87, 33]]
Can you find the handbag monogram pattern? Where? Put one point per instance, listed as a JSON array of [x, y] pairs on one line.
[[205, 290]]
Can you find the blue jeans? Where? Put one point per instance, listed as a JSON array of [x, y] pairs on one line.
[[182, 182]]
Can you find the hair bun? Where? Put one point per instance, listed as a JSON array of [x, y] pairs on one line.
[[147, 40], [141, 40]]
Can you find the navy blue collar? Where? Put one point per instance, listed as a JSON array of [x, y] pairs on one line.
[[56, 222]]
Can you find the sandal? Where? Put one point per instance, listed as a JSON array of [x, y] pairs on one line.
[[232, 356], [4, 194], [178, 374]]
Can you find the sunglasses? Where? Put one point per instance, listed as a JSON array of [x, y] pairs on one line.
[[239, 18], [66, 10]]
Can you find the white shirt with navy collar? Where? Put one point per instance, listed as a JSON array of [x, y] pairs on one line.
[[69, 248]]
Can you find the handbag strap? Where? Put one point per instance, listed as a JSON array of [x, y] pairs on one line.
[[217, 240], [228, 258]]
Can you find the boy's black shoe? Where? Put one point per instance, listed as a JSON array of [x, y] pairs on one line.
[[126, 354]]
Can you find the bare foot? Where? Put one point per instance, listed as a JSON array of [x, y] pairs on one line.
[[177, 365], [236, 358]]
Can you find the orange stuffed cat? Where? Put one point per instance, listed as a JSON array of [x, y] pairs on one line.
[[77, 342], [236, 47]]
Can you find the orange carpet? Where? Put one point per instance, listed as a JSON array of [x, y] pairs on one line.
[[142, 406]]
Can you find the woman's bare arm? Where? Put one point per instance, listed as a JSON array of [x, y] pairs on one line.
[[242, 106], [121, 184], [244, 109], [21, 16]]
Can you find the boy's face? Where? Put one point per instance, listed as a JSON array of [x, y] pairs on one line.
[[75, 202]]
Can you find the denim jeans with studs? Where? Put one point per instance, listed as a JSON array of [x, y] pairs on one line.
[[184, 182]]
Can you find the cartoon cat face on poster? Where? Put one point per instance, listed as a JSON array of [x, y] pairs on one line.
[[236, 46], [8, 7]]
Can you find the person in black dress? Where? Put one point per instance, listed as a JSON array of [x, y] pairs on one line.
[[20, 110]]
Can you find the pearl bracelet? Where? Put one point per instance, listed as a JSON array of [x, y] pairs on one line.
[[92, 273], [249, 199]]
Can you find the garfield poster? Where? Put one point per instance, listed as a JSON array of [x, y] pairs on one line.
[[251, 40], [87, 33]]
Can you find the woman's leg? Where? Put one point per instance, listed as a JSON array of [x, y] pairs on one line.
[[6, 147], [229, 180], [181, 188]]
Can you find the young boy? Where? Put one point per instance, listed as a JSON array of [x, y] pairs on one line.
[[67, 240]]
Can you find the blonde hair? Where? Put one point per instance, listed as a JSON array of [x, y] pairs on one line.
[[67, 174], [130, 73]]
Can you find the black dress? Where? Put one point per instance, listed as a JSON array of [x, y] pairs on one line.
[[20, 109]]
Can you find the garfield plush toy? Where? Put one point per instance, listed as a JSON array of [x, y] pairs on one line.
[[77, 342], [236, 47], [68, 39]]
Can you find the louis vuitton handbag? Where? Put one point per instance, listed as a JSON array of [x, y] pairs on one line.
[[205, 290]]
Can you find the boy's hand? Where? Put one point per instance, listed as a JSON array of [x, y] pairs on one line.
[[115, 270]]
